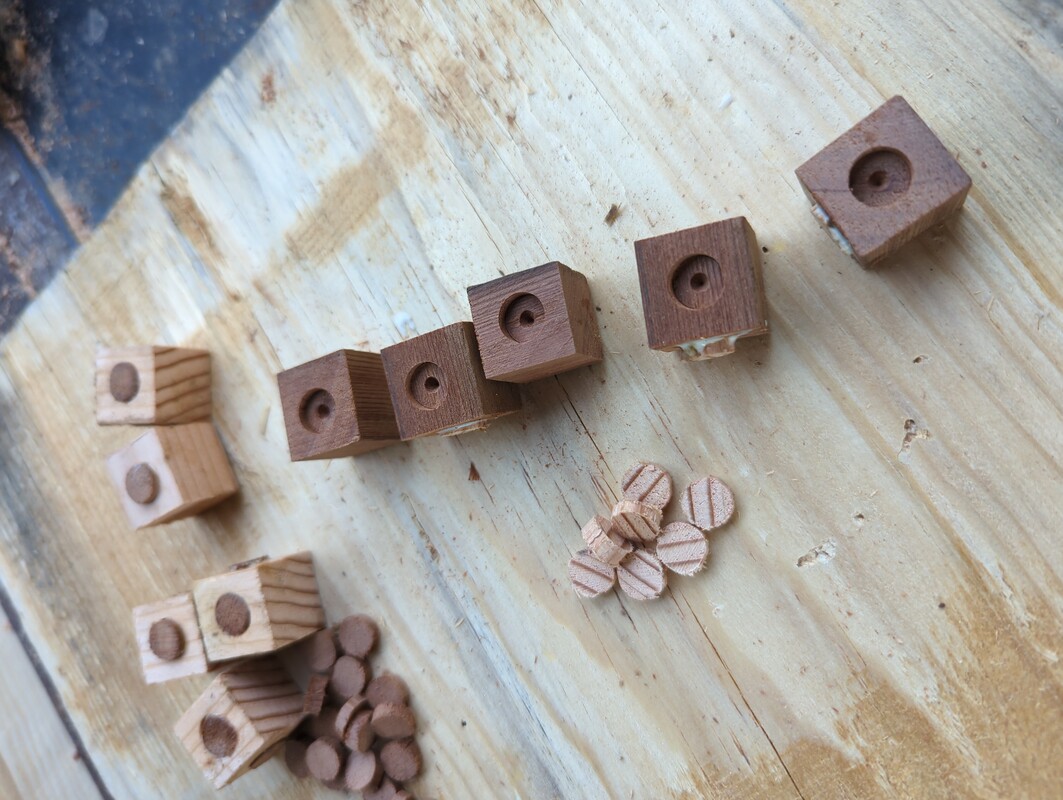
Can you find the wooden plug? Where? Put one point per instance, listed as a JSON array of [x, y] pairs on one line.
[[349, 678], [337, 406], [169, 640], [148, 385], [386, 791], [702, 288], [242, 714], [682, 548], [883, 182], [535, 323], [360, 735], [295, 758], [708, 503], [438, 386], [258, 609], [387, 688], [590, 576], [393, 721], [649, 484], [637, 522], [314, 697], [641, 576], [357, 635], [325, 758], [171, 473], [348, 711], [364, 772], [604, 542], [401, 759]]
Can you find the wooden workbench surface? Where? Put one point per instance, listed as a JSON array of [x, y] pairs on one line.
[[342, 183]]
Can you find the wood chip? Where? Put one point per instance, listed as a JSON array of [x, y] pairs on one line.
[[637, 522], [647, 483], [604, 542], [393, 721], [402, 760], [349, 678], [347, 713], [325, 757], [387, 688], [364, 772], [642, 576], [683, 548], [708, 503], [360, 734], [590, 577], [358, 635]]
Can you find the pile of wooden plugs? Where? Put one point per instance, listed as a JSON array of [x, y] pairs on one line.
[[632, 547], [358, 735], [178, 468]]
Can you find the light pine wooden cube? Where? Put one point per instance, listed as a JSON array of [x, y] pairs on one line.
[[169, 639], [260, 608], [152, 385], [171, 473]]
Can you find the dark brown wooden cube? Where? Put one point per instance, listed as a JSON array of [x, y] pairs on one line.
[[535, 323], [438, 384], [702, 288], [337, 406], [883, 182]]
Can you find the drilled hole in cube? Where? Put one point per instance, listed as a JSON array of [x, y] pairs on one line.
[[425, 385], [125, 382], [521, 317], [880, 177], [218, 735], [166, 639], [317, 411], [698, 281], [232, 614]]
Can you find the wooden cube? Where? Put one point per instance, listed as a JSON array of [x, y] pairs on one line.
[[883, 182], [258, 608], [702, 288], [148, 385], [169, 640], [171, 473], [535, 323], [337, 406], [438, 385], [242, 715]]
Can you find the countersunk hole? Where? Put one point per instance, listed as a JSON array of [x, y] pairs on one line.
[[125, 382], [425, 385], [880, 177], [521, 317], [698, 281], [316, 411], [232, 614], [218, 735]]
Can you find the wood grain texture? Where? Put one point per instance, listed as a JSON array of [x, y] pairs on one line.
[[152, 385], [916, 654]]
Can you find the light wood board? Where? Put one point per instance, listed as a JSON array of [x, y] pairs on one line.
[[883, 619]]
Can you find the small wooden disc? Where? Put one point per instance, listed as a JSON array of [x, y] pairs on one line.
[[387, 688], [142, 484], [324, 724], [325, 757], [637, 522], [401, 759], [166, 639], [604, 542], [393, 721], [319, 649], [647, 483], [314, 698], [295, 758], [349, 678], [590, 576], [642, 576], [360, 734], [358, 635], [124, 382], [232, 614], [386, 791], [364, 772], [347, 712], [683, 548], [708, 503]]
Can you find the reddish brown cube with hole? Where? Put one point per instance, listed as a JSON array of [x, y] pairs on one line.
[[337, 406], [883, 182], [438, 385], [535, 323], [702, 288]]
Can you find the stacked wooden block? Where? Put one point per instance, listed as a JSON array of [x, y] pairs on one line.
[[634, 549], [179, 467], [234, 623], [359, 732], [525, 327]]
